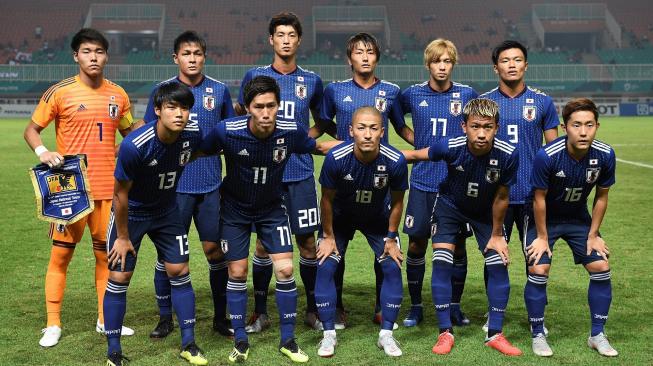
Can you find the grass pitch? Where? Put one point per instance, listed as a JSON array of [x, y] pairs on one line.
[[26, 249]]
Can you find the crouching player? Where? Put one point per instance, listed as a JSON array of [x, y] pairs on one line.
[[481, 169], [358, 181], [150, 163], [564, 173]]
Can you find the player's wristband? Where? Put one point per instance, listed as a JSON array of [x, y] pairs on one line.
[[40, 150], [392, 235]]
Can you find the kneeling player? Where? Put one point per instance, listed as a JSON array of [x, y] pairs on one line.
[[150, 162], [358, 181], [564, 173], [481, 169]]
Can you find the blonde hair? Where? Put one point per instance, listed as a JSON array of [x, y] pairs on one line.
[[481, 107], [437, 48]]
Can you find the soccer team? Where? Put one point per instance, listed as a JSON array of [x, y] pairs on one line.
[[479, 167]]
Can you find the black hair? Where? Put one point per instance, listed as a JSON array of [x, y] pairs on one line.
[[88, 35], [579, 104], [367, 39], [176, 93], [285, 18], [506, 45], [189, 37], [261, 85]]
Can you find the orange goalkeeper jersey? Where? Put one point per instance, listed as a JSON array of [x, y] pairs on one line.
[[86, 121]]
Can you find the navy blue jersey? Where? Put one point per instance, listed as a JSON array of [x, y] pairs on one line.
[[362, 190], [154, 168], [472, 181], [255, 167], [301, 91], [212, 104], [436, 116], [343, 98], [522, 122], [568, 182]]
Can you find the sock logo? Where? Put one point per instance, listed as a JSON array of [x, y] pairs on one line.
[[189, 321], [392, 306], [260, 293], [599, 316], [498, 310], [164, 297], [441, 306], [536, 320], [235, 316], [322, 304], [112, 331], [289, 315]]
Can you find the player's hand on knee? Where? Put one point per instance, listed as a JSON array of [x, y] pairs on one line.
[[498, 244], [393, 251], [118, 253], [325, 247], [536, 250], [595, 242], [51, 158]]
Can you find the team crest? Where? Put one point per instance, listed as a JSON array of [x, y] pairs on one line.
[[380, 181], [530, 113], [209, 102], [184, 157], [455, 107], [300, 91], [380, 104], [410, 220], [492, 175], [279, 154], [592, 174], [224, 244], [113, 110], [61, 182]]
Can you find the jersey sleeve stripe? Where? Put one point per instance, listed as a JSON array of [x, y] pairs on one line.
[[388, 152], [597, 143], [143, 135], [504, 146], [344, 151], [145, 139], [48, 94], [554, 146], [556, 150], [597, 147]]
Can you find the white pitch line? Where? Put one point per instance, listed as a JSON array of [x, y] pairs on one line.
[[635, 163], [629, 145]]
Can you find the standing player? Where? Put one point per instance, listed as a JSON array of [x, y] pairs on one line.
[[527, 115], [301, 95], [198, 197], [87, 110], [564, 173], [257, 148], [363, 184], [481, 169], [341, 100], [436, 108], [150, 163]]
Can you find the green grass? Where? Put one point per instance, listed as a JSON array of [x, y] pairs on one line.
[[25, 253]]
